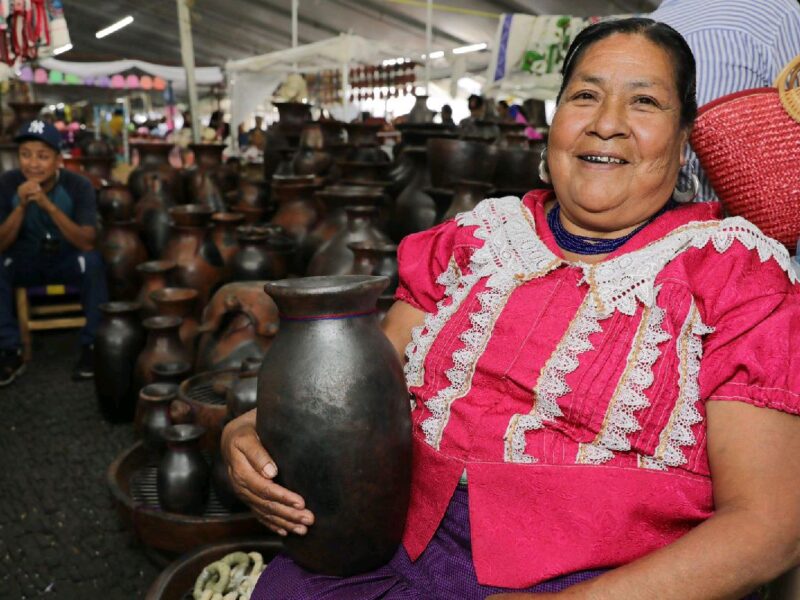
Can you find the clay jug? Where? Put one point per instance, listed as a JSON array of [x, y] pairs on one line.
[[171, 372], [241, 396], [370, 258], [183, 474], [153, 161], [115, 203], [342, 443], [334, 257], [152, 215], [155, 276], [265, 252], [240, 321], [414, 210], [163, 345], [297, 209], [118, 341], [204, 181], [517, 170], [312, 158], [179, 302], [199, 263], [122, 251], [154, 405], [466, 197], [224, 235]]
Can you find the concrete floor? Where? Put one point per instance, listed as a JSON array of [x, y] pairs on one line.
[[60, 536]]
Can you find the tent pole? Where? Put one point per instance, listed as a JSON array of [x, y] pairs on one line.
[[187, 55], [126, 118], [428, 40], [295, 6], [345, 85]]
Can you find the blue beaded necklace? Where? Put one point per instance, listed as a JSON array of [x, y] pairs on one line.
[[581, 244]]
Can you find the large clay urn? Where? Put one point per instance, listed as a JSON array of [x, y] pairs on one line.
[[293, 117], [239, 322], [297, 209], [163, 345], [224, 235], [518, 170], [118, 341], [334, 257], [265, 252], [414, 209], [122, 251], [191, 248], [155, 275], [343, 443], [184, 477], [152, 215], [466, 197], [115, 202], [179, 302], [450, 160], [372, 258], [204, 182], [312, 158], [154, 160]]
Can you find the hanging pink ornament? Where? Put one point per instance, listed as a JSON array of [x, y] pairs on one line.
[[118, 82], [159, 84], [146, 82], [132, 82], [40, 76]]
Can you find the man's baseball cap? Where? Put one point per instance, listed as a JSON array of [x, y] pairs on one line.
[[41, 131]]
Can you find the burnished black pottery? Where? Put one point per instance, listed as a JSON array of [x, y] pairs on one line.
[[184, 477], [333, 412]]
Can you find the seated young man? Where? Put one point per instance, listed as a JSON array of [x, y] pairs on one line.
[[47, 235]]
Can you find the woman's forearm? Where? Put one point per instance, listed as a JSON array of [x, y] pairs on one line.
[[726, 557], [9, 229]]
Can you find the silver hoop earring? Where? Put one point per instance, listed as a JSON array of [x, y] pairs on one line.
[[685, 196], [543, 174]]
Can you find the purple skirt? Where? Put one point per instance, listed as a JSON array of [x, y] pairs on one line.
[[444, 571]]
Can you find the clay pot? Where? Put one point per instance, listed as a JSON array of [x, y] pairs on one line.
[[363, 134], [347, 452], [154, 404], [163, 345], [118, 341], [115, 203], [179, 302], [155, 275], [224, 235], [518, 170], [417, 134], [466, 197], [241, 396], [190, 247], [171, 372], [239, 322], [332, 132], [97, 167], [293, 116], [265, 252], [414, 209], [370, 258], [204, 183], [252, 193], [334, 257], [451, 160], [152, 215], [154, 161], [122, 251], [183, 474], [297, 209]]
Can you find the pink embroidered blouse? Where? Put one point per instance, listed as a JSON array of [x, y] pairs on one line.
[[574, 394]]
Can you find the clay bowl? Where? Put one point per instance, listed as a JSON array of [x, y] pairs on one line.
[[177, 580], [450, 160], [191, 215], [131, 479], [205, 394]]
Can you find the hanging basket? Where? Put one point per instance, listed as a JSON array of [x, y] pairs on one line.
[[749, 145]]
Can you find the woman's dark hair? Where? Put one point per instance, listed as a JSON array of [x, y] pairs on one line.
[[662, 35]]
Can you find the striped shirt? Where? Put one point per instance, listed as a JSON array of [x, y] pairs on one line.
[[738, 45]]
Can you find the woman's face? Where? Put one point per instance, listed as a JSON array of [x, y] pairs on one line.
[[616, 142]]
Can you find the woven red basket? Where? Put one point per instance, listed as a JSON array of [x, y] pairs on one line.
[[749, 145]]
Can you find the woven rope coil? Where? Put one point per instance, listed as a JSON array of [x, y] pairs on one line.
[[749, 145]]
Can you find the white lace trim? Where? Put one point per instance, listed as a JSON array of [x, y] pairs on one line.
[[678, 431], [629, 397], [618, 283], [552, 383], [456, 289], [512, 254]]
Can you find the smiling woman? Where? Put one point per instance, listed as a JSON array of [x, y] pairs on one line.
[[604, 392]]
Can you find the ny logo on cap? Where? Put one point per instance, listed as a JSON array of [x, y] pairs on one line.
[[36, 127]]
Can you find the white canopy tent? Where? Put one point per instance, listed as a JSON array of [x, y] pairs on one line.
[[252, 80]]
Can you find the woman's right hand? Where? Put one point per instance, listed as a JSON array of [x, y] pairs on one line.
[[252, 470]]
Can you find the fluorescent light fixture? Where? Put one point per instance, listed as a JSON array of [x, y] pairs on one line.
[[437, 54], [396, 61], [114, 27], [62, 49], [470, 48]]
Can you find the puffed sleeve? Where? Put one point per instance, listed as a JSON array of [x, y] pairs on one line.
[[753, 353], [421, 258]]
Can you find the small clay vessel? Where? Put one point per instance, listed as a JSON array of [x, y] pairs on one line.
[[183, 474], [224, 234], [265, 252], [118, 341], [115, 203], [163, 345], [122, 251], [334, 257], [154, 406], [241, 396], [171, 372], [179, 302], [155, 275]]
